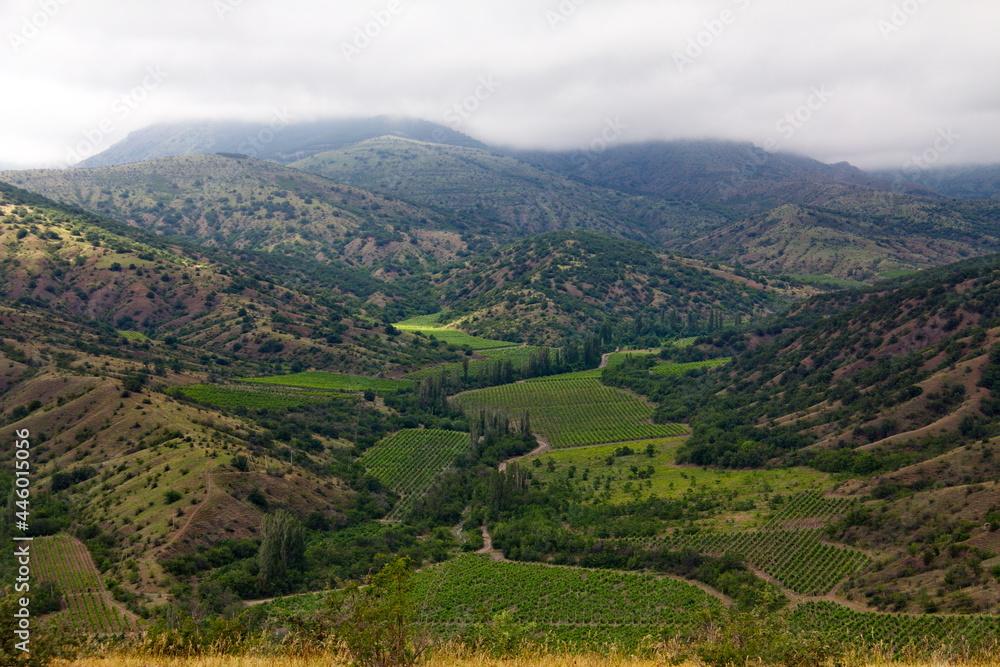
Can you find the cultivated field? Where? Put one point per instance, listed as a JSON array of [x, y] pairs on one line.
[[572, 412], [65, 560], [408, 461]]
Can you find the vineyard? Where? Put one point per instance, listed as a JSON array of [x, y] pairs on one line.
[[573, 412], [428, 325], [133, 335], [332, 381], [896, 633], [788, 547], [66, 561], [472, 588], [252, 396], [409, 460]]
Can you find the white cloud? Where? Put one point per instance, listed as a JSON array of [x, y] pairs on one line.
[[68, 61]]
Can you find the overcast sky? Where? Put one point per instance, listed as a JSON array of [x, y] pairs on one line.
[[874, 82]]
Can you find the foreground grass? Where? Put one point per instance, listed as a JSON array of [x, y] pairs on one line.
[[459, 659]]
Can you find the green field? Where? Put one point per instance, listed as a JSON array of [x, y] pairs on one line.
[[572, 412], [429, 326], [66, 561], [827, 281], [332, 381], [516, 355], [617, 482], [409, 460], [249, 396], [134, 335], [670, 368]]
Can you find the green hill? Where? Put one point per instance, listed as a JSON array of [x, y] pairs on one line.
[[564, 283], [243, 203], [499, 194]]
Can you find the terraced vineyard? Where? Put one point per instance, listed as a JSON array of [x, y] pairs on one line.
[[429, 326], [253, 396], [409, 460], [471, 588], [897, 633], [572, 412], [332, 381], [789, 547], [66, 561]]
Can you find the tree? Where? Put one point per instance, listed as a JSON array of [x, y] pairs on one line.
[[282, 547], [376, 621]]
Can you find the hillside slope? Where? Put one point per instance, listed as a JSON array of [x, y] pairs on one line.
[[566, 283], [501, 193], [796, 239], [243, 203]]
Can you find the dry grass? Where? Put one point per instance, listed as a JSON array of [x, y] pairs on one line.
[[457, 659]]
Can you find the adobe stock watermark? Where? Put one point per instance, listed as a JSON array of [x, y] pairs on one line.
[[711, 31], [785, 127], [612, 131], [562, 13], [365, 35], [224, 8], [22, 543], [795, 120], [253, 144], [460, 112], [945, 139], [901, 14], [121, 109], [33, 24]]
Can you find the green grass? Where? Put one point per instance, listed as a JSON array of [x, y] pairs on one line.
[[515, 355], [618, 483], [827, 281], [898, 273], [429, 326], [134, 335], [409, 460], [260, 396], [671, 368], [572, 412], [332, 381]]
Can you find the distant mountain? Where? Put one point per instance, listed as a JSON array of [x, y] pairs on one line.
[[565, 283], [503, 193], [741, 177], [243, 203], [962, 182], [280, 139]]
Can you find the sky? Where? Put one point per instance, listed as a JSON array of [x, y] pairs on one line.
[[879, 83]]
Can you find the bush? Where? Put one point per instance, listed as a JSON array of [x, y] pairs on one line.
[[377, 621]]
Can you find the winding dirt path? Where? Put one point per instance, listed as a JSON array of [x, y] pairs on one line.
[[187, 524], [604, 359], [543, 446], [495, 554]]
